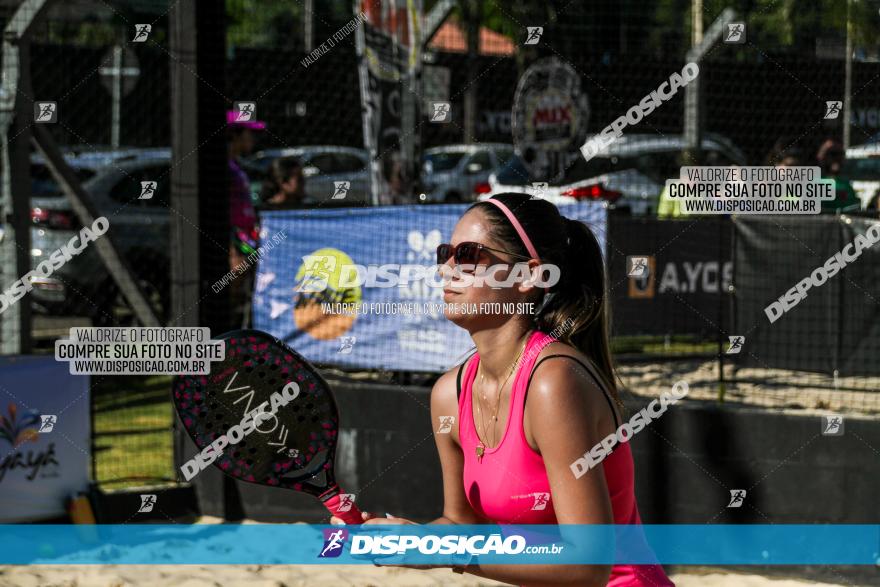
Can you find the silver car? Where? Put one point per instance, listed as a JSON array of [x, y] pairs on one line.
[[451, 173], [327, 169], [628, 174]]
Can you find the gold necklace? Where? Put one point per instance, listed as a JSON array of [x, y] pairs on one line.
[[481, 448]]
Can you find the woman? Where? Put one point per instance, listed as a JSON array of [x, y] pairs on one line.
[[529, 405], [284, 186]]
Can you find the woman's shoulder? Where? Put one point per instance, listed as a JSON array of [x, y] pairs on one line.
[[445, 389], [559, 366]]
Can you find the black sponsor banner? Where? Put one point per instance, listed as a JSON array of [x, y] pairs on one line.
[[807, 293], [667, 276]]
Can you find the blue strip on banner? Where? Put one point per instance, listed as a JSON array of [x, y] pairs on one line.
[[441, 544]]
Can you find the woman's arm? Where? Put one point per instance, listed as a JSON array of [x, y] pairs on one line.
[[566, 411], [444, 402]]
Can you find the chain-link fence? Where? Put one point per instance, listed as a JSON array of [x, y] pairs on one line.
[[775, 91]]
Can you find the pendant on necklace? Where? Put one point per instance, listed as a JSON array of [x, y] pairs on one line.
[[480, 450]]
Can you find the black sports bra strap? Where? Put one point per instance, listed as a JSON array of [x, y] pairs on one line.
[[458, 378], [590, 371]]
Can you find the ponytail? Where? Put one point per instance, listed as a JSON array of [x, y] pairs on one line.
[[577, 312]]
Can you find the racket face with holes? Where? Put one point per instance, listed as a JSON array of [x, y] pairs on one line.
[[295, 447]]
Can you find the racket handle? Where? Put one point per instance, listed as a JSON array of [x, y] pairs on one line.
[[349, 516]]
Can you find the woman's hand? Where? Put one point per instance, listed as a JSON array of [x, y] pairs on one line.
[[374, 519]]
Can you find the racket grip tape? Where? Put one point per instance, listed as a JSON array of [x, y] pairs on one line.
[[350, 515]]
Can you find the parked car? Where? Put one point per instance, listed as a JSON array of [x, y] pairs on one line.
[[629, 174], [862, 169], [323, 166], [450, 173], [139, 228]]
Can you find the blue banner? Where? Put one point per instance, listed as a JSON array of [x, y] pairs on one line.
[[704, 544], [45, 438], [300, 276]]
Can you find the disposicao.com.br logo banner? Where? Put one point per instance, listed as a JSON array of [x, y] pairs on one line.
[[274, 544]]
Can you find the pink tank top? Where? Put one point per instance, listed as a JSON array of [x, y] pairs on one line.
[[510, 485]]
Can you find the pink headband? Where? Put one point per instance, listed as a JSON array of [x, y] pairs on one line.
[[519, 229]]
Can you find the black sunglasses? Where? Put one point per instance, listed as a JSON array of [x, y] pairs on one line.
[[467, 253]]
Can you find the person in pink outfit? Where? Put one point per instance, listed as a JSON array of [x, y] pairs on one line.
[[538, 393]]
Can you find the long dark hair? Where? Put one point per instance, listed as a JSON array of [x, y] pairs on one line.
[[577, 312]]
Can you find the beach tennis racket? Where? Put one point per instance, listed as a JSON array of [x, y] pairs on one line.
[[295, 446]]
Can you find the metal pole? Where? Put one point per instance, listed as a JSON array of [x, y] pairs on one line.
[[308, 25], [847, 90], [16, 112], [117, 95]]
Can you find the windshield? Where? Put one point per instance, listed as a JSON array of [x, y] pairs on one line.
[[862, 169], [43, 185], [443, 161]]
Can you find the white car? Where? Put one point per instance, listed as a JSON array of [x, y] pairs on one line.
[[450, 173], [862, 169], [628, 174]]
